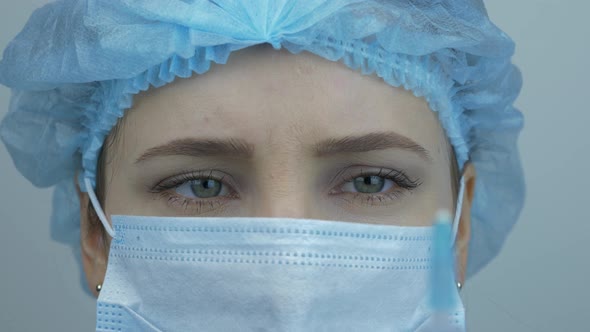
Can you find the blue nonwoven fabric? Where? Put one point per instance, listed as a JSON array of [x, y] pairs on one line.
[[76, 65]]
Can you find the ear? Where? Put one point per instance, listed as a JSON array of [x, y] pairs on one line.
[[464, 229], [92, 244]]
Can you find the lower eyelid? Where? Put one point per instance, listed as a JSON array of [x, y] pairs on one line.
[[372, 199], [193, 206]]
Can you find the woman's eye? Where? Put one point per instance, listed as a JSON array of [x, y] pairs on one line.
[[196, 192], [368, 184], [375, 188], [202, 188]]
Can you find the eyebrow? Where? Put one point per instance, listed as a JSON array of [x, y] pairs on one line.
[[201, 148], [369, 142], [236, 147]]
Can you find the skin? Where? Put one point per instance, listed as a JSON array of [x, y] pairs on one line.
[[283, 105]]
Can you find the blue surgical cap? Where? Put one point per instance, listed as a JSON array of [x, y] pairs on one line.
[[77, 64]]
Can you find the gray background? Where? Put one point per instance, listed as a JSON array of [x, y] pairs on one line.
[[538, 283]]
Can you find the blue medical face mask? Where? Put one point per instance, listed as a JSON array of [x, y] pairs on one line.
[[269, 274]]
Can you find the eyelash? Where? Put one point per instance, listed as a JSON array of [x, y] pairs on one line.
[[402, 185]]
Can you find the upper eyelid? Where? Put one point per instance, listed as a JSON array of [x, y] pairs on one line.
[[183, 177], [369, 171], [387, 175]]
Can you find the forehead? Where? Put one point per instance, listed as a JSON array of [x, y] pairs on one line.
[[270, 97]]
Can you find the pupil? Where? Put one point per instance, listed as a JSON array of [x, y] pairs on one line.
[[369, 184]]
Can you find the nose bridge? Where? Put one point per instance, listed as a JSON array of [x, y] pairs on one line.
[[282, 174], [285, 199], [283, 188]]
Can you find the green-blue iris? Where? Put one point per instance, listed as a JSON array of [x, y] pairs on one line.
[[205, 188], [369, 184]]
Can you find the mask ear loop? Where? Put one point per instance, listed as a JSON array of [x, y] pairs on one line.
[[98, 209], [458, 210], [457, 218]]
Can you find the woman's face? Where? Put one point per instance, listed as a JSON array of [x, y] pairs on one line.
[[271, 134]]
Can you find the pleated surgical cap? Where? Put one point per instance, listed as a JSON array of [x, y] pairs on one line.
[[77, 64]]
